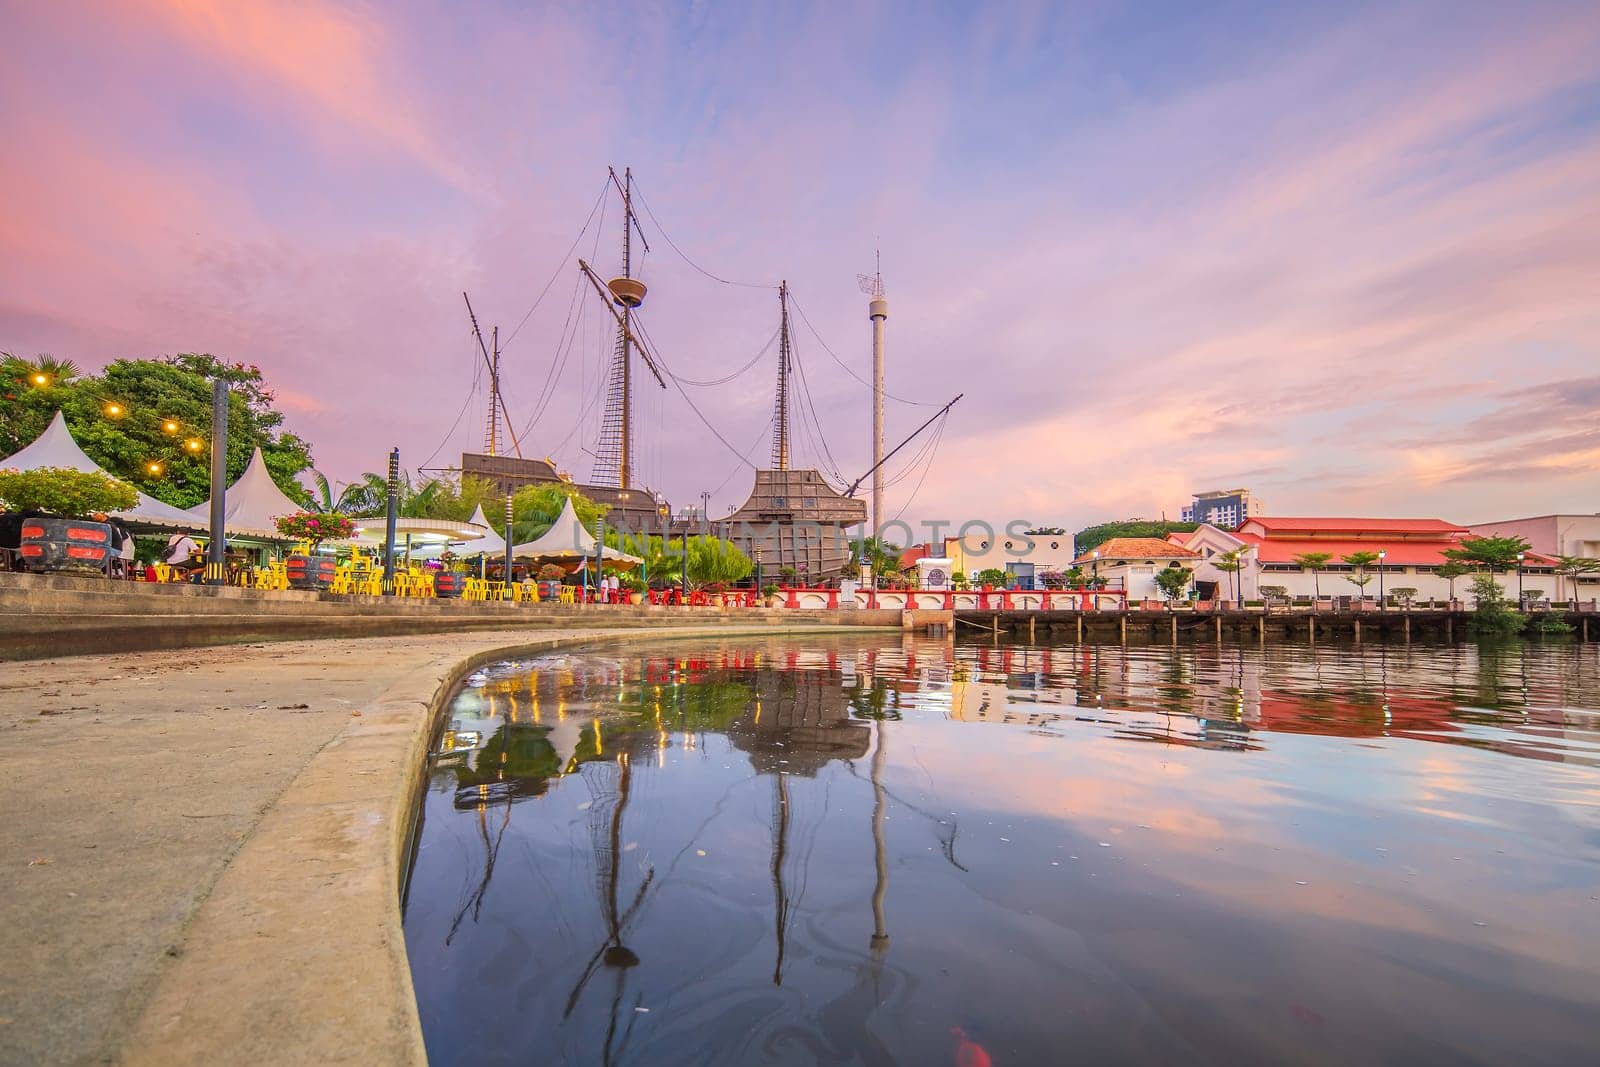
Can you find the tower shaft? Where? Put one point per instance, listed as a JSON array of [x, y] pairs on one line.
[[878, 310], [780, 413]]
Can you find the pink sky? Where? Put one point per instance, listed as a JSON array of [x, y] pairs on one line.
[[1347, 259]]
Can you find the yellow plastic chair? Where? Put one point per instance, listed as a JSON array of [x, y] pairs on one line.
[[164, 572], [569, 595], [525, 593]]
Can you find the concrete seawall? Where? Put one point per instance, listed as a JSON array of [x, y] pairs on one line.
[[56, 615]]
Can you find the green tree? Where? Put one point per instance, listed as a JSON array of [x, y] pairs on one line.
[[1361, 562], [1172, 581], [1230, 563], [882, 556], [1573, 568], [1450, 571], [1313, 562], [1492, 615], [1494, 554], [1091, 537], [535, 508], [139, 412]]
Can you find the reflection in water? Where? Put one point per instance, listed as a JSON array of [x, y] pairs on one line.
[[1318, 853]]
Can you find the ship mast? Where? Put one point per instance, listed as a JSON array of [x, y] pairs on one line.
[[614, 456]]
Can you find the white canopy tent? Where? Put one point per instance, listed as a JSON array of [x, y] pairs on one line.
[[56, 447], [567, 539], [252, 503]]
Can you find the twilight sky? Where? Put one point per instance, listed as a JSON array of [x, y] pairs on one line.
[[1347, 256]]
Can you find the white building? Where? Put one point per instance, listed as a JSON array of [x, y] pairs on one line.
[[1131, 564]]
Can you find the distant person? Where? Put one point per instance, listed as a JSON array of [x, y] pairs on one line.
[[122, 547], [182, 553]]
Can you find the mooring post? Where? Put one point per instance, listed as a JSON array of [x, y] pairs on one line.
[[1217, 624], [1080, 627], [1358, 631], [1174, 629], [1261, 629], [1312, 628], [1122, 621], [1030, 629], [1408, 627], [1450, 626]]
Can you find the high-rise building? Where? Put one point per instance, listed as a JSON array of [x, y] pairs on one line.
[[1222, 508]]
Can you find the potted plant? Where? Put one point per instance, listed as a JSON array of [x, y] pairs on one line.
[[636, 587], [773, 597], [56, 502], [308, 569]]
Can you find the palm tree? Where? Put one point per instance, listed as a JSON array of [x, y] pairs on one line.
[[1230, 563], [353, 499], [882, 556], [1313, 562], [1575, 567]]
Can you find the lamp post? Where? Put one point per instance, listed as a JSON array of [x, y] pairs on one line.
[[758, 569], [683, 574], [1521, 604], [508, 544], [390, 520], [1239, 584], [1382, 555], [216, 552]]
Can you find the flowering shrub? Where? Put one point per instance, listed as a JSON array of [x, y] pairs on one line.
[[63, 491], [314, 527]]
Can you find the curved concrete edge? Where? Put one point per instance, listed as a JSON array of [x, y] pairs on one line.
[[298, 953]]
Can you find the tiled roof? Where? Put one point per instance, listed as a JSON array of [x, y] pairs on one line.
[[1139, 547], [1273, 524]]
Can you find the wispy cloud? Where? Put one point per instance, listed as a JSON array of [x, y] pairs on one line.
[[1354, 256]]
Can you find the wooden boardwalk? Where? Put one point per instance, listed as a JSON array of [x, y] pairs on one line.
[[1249, 624]]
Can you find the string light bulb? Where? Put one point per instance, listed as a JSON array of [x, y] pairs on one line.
[[154, 468], [170, 426], [40, 378], [114, 410], [194, 444]]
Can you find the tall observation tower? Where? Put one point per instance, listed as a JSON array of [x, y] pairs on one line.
[[878, 311]]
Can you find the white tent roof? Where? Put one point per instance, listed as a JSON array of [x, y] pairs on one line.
[[252, 503], [491, 544], [567, 539], [57, 448]]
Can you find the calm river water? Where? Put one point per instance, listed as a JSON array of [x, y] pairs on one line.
[[869, 850]]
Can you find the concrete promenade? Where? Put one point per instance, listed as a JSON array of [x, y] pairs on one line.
[[201, 847]]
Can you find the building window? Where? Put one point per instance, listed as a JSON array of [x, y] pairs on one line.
[[1055, 544]]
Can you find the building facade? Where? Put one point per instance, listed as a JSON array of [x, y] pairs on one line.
[[1550, 535], [1412, 552], [1024, 555]]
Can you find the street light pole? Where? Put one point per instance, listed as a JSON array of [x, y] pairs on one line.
[[1521, 604], [1382, 555], [391, 518], [216, 551]]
